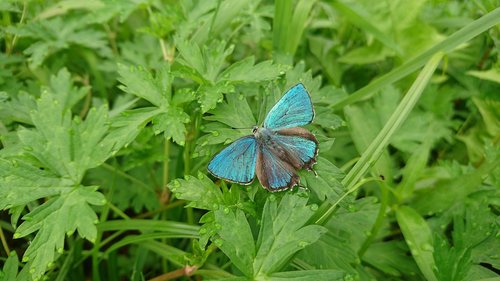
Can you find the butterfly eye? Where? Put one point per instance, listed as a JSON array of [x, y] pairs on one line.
[[255, 129]]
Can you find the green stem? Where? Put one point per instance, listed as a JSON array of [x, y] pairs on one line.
[[124, 175], [4, 242], [166, 162], [384, 198]]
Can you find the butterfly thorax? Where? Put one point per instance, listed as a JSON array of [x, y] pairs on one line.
[[263, 135]]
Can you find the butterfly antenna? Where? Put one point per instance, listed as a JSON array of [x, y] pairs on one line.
[[245, 128]]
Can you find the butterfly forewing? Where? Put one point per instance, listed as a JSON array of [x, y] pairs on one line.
[[294, 109], [236, 163]]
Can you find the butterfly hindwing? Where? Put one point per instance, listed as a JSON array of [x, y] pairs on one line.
[[300, 144], [236, 163], [273, 173], [294, 109]]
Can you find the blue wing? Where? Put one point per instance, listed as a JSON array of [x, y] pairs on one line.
[[273, 173], [300, 145], [236, 163], [294, 109]]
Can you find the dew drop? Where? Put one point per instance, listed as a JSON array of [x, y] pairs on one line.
[[351, 208], [215, 206], [204, 143], [348, 278], [427, 247], [215, 133], [303, 244], [218, 242], [314, 207], [272, 198], [226, 210], [26, 259], [203, 230]]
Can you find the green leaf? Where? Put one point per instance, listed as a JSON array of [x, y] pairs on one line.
[[490, 111], [391, 257], [418, 236], [10, 267], [347, 231], [492, 74], [327, 119], [289, 23], [313, 275], [234, 238], [201, 192], [126, 126], [246, 70], [210, 95], [204, 61], [235, 113], [63, 90], [22, 183], [327, 182], [448, 192], [171, 123], [168, 119], [360, 17], [283, 233], [55, 218], [66, 147], [55, 35], [140, 82]]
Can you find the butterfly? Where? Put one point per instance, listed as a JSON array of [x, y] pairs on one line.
[[276, 150]]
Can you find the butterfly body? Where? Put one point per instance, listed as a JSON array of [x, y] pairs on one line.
[[276, 150]]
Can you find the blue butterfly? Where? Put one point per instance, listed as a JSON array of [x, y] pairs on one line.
[[276, 150]]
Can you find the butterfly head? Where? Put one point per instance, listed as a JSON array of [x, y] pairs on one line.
[[255, 130]]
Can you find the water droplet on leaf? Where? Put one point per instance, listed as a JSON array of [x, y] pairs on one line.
[[218, 242]]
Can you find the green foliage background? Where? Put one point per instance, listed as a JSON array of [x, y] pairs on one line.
[[111, 110]]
